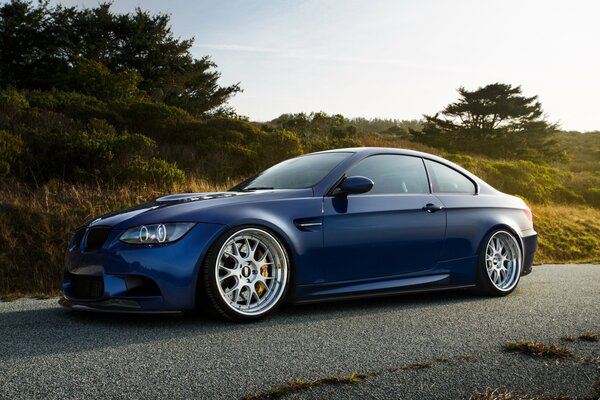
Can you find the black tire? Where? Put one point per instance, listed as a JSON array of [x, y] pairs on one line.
[[213, 294], [491, 280]]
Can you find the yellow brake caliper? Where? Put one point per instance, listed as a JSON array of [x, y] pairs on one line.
[[260, 287]]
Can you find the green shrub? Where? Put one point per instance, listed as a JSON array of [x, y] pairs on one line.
[[95, 79], [12, 104], [13, 98], [535, 182], [11, 150], [592, 196], [156, 171], [464, 161], [156, 120], [221, 149], [97, 154], [75, 105]]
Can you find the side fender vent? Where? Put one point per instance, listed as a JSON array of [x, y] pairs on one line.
[[309, 224]]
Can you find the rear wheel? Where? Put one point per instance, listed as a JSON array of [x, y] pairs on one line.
[[500, 264], [246, 274]]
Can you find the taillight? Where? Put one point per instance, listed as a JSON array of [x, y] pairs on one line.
[[528, 214]]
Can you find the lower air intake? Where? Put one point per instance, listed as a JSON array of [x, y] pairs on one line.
[[86, 287]]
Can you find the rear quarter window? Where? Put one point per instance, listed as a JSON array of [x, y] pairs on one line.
[[447, 180]]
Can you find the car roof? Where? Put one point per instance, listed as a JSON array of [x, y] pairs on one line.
[[389, 150]]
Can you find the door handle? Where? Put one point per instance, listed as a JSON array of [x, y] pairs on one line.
[[430, 208]]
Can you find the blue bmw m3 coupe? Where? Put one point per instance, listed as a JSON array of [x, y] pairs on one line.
[[328, 225]]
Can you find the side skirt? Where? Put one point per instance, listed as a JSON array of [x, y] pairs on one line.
[[380, 294]]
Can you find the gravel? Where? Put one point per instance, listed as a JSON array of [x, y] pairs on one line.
[[47, 352]]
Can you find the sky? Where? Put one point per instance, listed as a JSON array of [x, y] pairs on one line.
[[393, 58]]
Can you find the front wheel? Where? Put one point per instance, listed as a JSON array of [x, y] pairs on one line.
[[246, 274], [500, 264]]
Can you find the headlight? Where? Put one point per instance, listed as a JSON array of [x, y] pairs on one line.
[[157, 233]]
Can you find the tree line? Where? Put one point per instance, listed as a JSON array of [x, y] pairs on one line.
[[87, 94]]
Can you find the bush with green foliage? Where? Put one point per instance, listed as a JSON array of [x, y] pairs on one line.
[[221, 149], [534, 182], [93, 78], [157, 120], [11, 150], [319, 131], [154, 170], [53, 134], [72, 104], [79, 137]]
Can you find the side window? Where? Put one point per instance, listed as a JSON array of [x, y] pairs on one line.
[[393, 174], [447, 180]]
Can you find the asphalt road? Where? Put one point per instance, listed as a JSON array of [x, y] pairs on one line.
[[47, 352]]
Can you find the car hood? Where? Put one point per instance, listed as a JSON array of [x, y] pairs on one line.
[[167, 208]]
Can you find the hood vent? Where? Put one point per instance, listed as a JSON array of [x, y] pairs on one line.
[[186, 197]]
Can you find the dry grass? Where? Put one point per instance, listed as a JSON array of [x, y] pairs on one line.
[[567, 233], [585, 336], [537, 349], [300, 385], [568, 338], [590, 336]]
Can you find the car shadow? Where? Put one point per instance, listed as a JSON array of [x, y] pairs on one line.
[[55, 330]]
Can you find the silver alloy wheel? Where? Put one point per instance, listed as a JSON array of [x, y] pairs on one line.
[[503, 260], [251, 271]]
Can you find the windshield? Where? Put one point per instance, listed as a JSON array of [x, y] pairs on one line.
[[297, 173]]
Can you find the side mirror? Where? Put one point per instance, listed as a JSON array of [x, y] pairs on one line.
[[354, 185]]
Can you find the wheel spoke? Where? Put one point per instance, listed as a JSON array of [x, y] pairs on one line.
[[229, 273], [253, 249], [250, 294], [235, 287], [236, 250], [247, 243], [235, 255], [264, 256], [234, 292]]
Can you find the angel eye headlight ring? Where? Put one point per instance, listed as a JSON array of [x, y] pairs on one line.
[[156, 233]]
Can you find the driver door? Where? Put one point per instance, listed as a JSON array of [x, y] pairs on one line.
[[385, 232]]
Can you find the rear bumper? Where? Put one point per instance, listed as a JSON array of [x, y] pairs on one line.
[[530, 244]]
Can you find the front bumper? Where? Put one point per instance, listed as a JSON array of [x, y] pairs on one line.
[[112, 306], [119, 277]]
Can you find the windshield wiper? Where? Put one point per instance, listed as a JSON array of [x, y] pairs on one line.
[[257, 188]]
